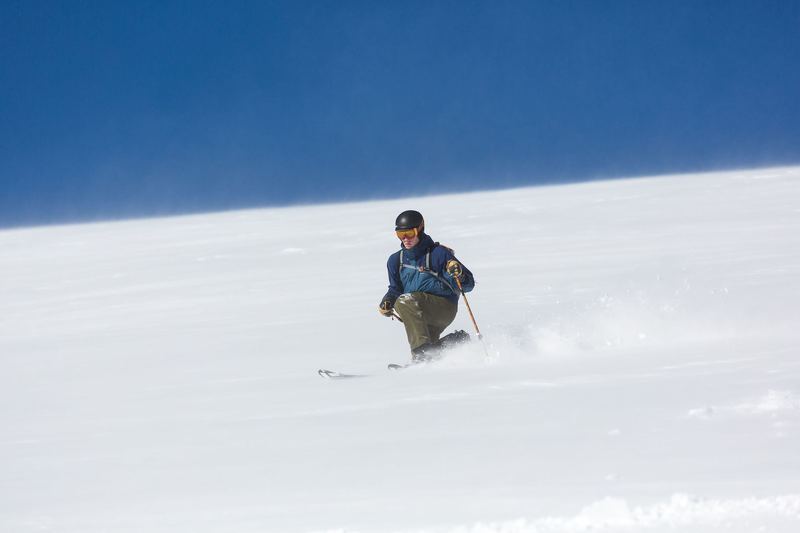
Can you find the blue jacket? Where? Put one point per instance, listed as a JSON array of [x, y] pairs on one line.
[[416, 275]]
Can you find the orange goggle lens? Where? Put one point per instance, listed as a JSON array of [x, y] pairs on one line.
[[407, 233]]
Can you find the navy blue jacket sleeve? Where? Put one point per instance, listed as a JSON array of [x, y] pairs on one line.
[[395, 285]]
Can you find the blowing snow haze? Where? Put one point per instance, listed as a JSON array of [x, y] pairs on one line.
[[112, 110]]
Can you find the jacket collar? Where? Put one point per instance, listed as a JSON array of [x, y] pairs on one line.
[[425, 243]]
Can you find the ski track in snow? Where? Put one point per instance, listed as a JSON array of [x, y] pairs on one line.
[[639, 372]]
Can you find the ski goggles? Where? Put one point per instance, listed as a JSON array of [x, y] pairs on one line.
[[407, 233]]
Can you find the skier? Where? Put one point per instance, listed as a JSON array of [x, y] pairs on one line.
[[423, 289]]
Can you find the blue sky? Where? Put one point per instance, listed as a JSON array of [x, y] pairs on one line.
[[119, 109]]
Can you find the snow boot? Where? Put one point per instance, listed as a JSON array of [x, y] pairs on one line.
[[425, 353], [451, 340]]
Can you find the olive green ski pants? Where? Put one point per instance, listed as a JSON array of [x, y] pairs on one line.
[[425, 316]]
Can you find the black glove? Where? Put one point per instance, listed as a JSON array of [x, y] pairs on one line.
[[386, 308], [454, 268]]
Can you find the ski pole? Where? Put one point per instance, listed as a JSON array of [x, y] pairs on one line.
[[472, 317], [394, 315], [474, 323]]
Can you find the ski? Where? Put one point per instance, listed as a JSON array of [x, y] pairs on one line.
[[448, 341], [331, 374]]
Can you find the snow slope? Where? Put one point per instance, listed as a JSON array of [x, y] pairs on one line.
[[643, 371]]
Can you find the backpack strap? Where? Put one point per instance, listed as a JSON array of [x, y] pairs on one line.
[[427, 269]]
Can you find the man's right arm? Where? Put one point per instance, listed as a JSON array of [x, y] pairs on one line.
[[395, 285]]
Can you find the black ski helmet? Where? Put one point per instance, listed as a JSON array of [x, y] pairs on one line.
[[409, 220]]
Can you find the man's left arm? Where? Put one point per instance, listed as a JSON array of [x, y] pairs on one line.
[[453, 268]]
